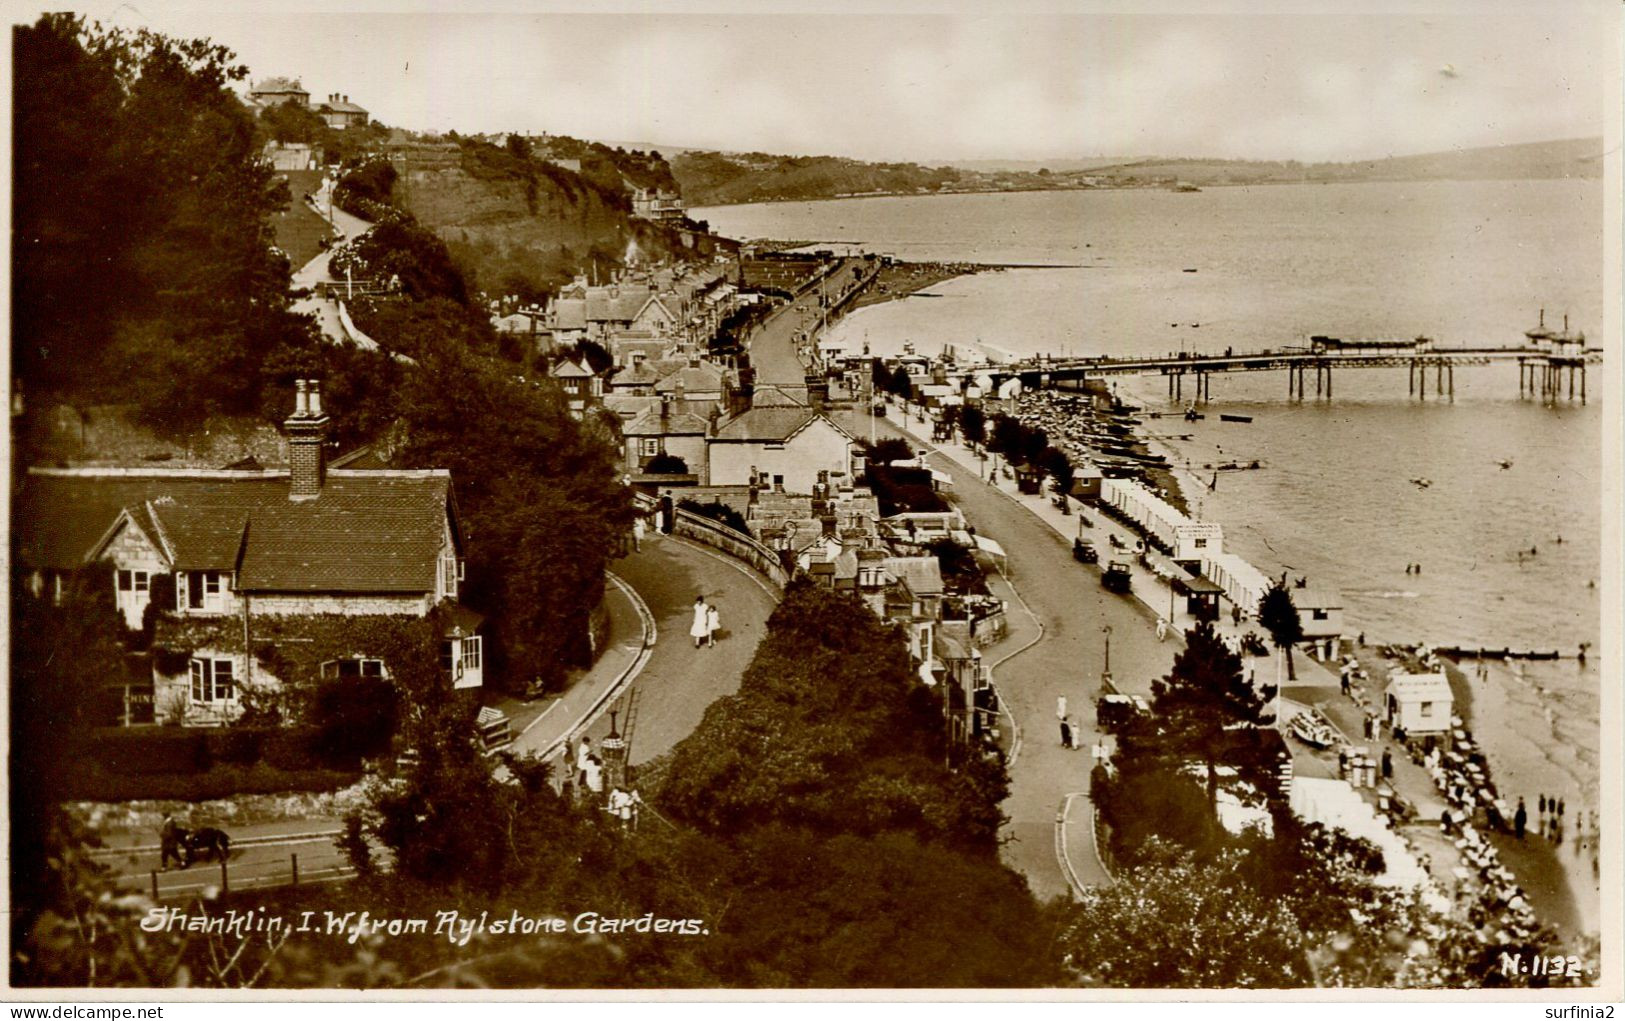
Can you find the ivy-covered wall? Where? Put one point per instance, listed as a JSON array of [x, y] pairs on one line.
[[287, 654]]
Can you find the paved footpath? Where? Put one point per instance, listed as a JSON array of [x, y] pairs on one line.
[[679, 682]]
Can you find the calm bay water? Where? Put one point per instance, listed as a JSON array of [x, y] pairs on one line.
[[1467, 263]]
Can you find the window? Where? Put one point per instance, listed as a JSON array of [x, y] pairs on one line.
[[1426, 709], [204, 590], [471, 653], [212, 681], [339, 668], [1201, 544], [134, 581], [451, 572], [448, 662], [651, 447], [1321, 614], [778, 483]]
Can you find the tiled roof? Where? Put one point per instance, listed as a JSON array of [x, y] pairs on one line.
[[342, 106], [673, 423], [770, 425], [368, 531], [694, 378], [769, 395], [271, 85], [634, 375], [922, 575]]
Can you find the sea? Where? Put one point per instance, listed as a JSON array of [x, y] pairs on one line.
[[1507, 529]]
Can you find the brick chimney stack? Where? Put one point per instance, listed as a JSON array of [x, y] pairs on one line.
[[307, 442]]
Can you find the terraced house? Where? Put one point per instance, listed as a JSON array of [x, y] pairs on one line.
[[247, 581]]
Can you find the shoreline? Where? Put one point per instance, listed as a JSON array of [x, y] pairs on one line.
[[1213, 186], [1557, 883]]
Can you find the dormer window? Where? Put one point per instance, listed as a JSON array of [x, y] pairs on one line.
[[203, 591]]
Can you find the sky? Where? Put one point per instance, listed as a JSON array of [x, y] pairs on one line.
[[933, 83]]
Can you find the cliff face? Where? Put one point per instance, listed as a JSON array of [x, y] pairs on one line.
[[516, 225]]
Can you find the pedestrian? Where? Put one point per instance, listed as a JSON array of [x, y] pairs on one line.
[[1559, 808], [583, 754], [594, 774], [702, 618], [1387, 764], [171, 843], [1066, 732], [1235, 615], [713, 624], [638, 529], [1520, 819], [1344, 677], [1543, 806], [1162, 629], [1444, 820], [1072, 724]]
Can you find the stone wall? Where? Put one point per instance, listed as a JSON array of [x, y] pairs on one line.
[[734, 543]]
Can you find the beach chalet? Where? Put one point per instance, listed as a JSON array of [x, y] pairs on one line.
[[1320, 611], [249, 569], [1194, 540], [1243, 584], [788, 446], [1086, 479], [1421, 703]]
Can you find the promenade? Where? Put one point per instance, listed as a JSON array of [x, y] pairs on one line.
[[773, 347]]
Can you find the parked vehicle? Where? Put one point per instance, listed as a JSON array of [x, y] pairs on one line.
[[1084, 552], [1113, 711], [1116, 578]]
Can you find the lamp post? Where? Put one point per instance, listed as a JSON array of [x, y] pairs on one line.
[[1106, 674]]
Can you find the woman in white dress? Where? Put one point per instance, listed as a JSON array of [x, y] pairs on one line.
[[713, 624], [701, 629]]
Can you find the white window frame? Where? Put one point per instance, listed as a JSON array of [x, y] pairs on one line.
[[207, 687], [473, 653], [651, 447], [138, 581], [207, 601], [366, 666]]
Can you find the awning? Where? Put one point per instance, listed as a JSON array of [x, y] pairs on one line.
[[987, 545], [941, 478]]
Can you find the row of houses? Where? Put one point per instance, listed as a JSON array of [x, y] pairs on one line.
[[230, 568], [649, 315]]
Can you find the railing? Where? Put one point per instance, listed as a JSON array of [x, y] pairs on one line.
[[735, 543]]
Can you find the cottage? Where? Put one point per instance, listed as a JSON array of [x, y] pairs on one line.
[[340, 113], [675, 429], [1320, 611], [276, 91], [1420, 703], [784, 446], [238, 560]]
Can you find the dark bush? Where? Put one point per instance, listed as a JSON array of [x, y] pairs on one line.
[[241, 745], [717, 511], [666, 464], [352, 718], [87, 782], [149, 750], [290, 749]]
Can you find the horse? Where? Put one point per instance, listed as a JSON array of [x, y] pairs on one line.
[[207, 841]]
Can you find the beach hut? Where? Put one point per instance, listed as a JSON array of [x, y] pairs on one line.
[[1420, 703], [1201, 596]]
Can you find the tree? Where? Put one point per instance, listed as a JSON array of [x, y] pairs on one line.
[[1280, 618], [973, 423], [1175, 922], [138, 174], [1203, 697], [1059, 466]]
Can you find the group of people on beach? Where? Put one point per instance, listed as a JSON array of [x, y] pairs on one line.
[[707, 622]]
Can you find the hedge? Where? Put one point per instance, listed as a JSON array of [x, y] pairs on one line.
[[121, 751], [87, 782]]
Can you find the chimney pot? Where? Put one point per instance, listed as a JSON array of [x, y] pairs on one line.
[[315, 399], [301, 399]]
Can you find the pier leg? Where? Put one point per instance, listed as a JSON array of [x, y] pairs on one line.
[[1571, 382], [1520, 381], [1328, 382], [1410, 380], [1207, 386], [1317, 381], [1452, 382], [1582, 383], [1179, 386], [1171, 385]]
